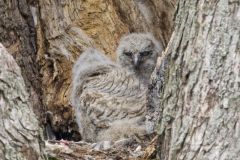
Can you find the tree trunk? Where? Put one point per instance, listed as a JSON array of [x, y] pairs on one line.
[[20, 135], [200, 95], [66, 28], [195, 88], [18, 35], [45, 38]]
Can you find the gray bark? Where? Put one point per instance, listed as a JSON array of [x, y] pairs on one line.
[[18, 35], [200, 98], [20, 135]]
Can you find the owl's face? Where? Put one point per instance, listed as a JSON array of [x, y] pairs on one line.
[[138, 53]]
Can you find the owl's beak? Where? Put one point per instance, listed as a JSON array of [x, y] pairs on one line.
[[135, 60]]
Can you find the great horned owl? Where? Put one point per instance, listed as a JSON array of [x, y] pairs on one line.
[[110, 102], [138, 52]]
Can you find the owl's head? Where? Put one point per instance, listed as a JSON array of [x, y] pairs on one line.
[[138, 53]]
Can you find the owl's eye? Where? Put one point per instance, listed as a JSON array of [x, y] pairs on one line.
[[146, 53], [127, 53]]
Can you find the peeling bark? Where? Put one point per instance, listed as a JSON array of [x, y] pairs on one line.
[[199, 102], [20, 134]]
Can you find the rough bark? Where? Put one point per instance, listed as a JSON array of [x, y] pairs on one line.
[[45, 38], [20, 134], [66, 28], [18, 35], [199, 101]]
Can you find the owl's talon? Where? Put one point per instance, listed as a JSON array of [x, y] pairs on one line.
[[123, 142], [103, 145]]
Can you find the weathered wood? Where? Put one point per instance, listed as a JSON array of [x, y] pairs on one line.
[[45, 38], [66, 28], [20, 134], [18, 35], [199, 102]]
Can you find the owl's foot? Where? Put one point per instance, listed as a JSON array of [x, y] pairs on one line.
[[103, 145], [125, 142]]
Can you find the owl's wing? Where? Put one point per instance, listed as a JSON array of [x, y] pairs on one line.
[[113, 95], [105, 96]]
